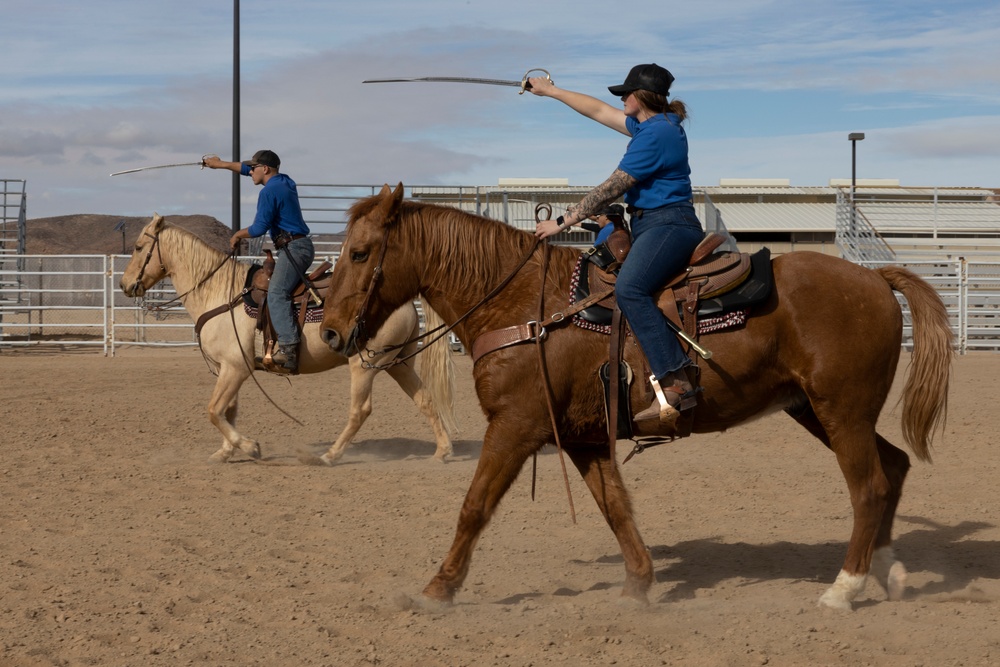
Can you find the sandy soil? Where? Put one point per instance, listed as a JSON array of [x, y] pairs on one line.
[[120, 544]]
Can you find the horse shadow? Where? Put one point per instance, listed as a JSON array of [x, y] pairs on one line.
[[943, 550], [395, 449]]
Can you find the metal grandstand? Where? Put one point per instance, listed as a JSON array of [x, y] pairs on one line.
[[13, 215]]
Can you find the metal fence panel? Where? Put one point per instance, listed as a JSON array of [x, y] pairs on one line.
[[75, 300]]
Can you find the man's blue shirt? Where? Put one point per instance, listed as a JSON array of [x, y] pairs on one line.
[[277, 207]]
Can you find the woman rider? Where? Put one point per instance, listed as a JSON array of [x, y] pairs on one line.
[[655, 177]]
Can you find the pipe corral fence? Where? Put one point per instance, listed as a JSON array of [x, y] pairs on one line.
[[74, 300]]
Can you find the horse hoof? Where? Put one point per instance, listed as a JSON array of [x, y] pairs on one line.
[[328, 460], [831, 600], [309, 459], [632, 603], [251, 448], [422, 603], [221, 456]]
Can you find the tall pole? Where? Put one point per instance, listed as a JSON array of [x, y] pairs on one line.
[[854, 138], [236, 113]]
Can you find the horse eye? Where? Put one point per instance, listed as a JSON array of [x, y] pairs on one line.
[[359, 256]]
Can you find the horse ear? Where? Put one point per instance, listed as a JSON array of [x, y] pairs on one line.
[[397, 200], [157, 221], [390, 202]]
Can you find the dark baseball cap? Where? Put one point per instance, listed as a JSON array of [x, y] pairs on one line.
[[614, 211], [650, 77], [266, 158]]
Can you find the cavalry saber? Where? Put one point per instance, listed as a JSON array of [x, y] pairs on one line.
[[523, 84], [200, 163]]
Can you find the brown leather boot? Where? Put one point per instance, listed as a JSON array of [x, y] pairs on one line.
[[287, 357], [673, 394]]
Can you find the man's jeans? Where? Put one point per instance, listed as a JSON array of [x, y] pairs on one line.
[[662, 242], [291, 263]]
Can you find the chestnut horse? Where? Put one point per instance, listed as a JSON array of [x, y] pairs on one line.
[[823, 347], [206, 279]]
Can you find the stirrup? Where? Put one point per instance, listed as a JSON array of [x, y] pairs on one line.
[[660, 408]]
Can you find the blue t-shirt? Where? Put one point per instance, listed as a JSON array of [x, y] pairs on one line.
[[657, 157], [605, 232], [277, 207]]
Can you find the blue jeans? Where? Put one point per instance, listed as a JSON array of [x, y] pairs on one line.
[[662, 242], [290, 264]]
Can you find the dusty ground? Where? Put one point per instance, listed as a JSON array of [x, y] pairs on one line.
[[120, 544]]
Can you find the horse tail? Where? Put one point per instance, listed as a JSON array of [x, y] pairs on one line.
[[925, 395], [437, 370]]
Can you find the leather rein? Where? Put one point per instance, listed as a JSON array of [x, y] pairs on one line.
[[179, 298], [534, 330], [217, 311]]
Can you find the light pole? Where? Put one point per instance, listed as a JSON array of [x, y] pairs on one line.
[[854, 138]]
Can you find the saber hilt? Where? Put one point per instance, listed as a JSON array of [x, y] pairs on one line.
[[702, 352]]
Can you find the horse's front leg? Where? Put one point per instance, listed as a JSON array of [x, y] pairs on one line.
[[222, 411], [361, 407], [605, 483], [504, 452]]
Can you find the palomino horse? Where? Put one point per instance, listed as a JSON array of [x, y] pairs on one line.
[[823, 348], [205, 279]]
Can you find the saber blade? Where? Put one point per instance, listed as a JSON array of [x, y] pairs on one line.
[[160, 166], [200, 163], [449, 79], [523, 84]]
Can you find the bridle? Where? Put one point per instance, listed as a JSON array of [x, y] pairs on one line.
[[360, 323], [360, 326], [149, 256]]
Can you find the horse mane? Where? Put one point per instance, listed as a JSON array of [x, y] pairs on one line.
[[481, 247], [193, 256]]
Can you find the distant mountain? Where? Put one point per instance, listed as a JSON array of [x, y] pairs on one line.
[[90, 234]]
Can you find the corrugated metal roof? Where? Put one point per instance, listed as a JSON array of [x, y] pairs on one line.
[[778, 217], [925, 216]]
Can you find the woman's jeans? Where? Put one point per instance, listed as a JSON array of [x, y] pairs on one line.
[[662, 242], [292, 262]]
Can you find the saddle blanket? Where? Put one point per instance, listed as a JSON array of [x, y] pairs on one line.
[[313, 315]]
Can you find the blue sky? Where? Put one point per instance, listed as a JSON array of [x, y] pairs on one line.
[[774, 87]]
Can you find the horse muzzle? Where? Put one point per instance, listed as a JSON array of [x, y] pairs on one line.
[[346, 346], [136, 289]]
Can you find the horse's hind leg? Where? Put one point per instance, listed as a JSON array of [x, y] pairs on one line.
[[875, 471], [888, 571], [605, 483], [222, 410], [361, 407]]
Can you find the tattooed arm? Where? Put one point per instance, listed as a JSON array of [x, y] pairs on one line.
[[593, 203]]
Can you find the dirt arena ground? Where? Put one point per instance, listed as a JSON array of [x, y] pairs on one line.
[[120, 544]]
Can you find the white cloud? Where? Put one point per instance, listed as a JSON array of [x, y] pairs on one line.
[[105, 86]]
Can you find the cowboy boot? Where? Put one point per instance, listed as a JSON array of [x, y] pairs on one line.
[[673, 394], [287, 357]]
